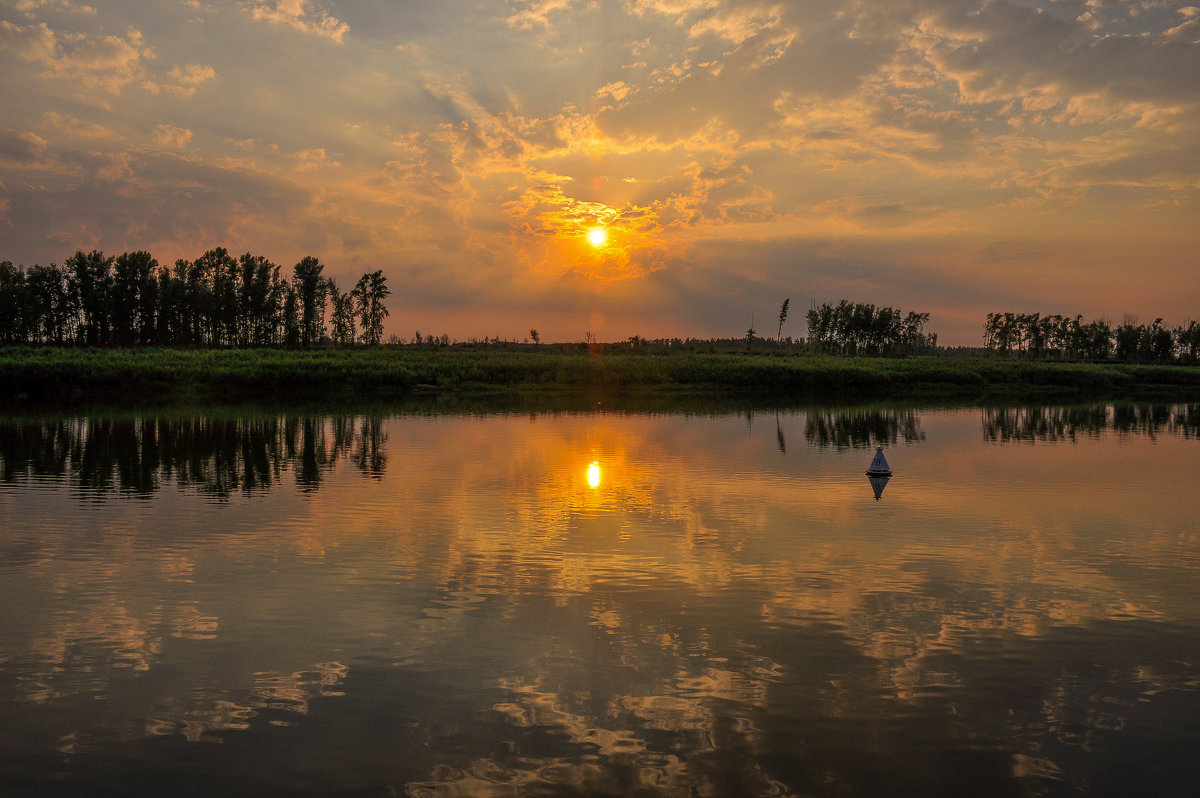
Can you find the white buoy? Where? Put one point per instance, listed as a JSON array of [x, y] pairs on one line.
[[879, 466]]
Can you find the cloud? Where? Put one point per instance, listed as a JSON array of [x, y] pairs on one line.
[[536, 13], [97, 61], [737, 25], [94, 61], [313, 158], [301, 15], [172, 137], [186, 79], [678, 10], [1000, 51], [79, 130], [21, 148], [33, 43], [474, 141], [30, 8], [618, 90]]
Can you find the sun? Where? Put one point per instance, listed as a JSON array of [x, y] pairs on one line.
[[597, 236]]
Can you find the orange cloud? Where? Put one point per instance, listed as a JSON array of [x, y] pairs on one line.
[[174, 137], [300, 15]]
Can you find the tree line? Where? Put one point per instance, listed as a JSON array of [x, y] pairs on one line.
[[216, 300], [1055, 337], [853, 328]]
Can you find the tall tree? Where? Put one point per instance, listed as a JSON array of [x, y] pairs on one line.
[[12, 303], [1189, 341], [853, 328], [342, 318], [1128, 336], [783, 313], [133, 277], [290, 317], [214, 279], [50, 305], [310, 298], [369, 293], [260, 297], [196, 299], [171, 322], [1160, 344], [91, 280]]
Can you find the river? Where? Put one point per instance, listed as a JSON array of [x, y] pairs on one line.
[[601, 603]]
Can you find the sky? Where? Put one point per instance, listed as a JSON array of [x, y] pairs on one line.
[[662, 168]]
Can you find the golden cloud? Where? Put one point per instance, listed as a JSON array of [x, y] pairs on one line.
[[300, 15]]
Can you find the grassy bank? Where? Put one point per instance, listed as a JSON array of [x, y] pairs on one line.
[[30, 374]]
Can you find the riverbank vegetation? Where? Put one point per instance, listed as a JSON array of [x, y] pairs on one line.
[[49, 373]]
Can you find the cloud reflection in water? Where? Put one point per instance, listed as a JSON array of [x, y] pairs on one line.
[[719, 615]]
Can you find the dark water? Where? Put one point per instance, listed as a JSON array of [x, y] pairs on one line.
[[602, 604]]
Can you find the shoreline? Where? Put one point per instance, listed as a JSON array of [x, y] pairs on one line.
[[557, 376]]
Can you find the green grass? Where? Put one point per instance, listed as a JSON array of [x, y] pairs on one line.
[[50, 374]]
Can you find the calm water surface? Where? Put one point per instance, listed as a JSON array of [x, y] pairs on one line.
[[602, 604]]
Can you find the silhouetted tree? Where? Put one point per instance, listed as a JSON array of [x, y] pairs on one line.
[[212, 283], [1053, 336], [369, 294], [291, 318], [213, 300], [342, 318], [134, 290], [91, 282], [863, 329], [196, 299], [1128, 337], [1157, 343], [12, 303], [310, 289], [171, 323], [1189, 342], [262, 294], [50, 305]]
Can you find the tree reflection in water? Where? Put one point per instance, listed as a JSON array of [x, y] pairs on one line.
[[1058, 423], [704, 612], [224, 454], [220, 454], [859, 429]]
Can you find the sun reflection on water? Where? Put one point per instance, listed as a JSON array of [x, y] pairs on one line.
[[629, 611]]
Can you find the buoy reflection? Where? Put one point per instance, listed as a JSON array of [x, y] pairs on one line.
[[877, 485], [593, 475]]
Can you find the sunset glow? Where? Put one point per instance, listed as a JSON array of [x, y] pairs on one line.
[[672, 167]]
